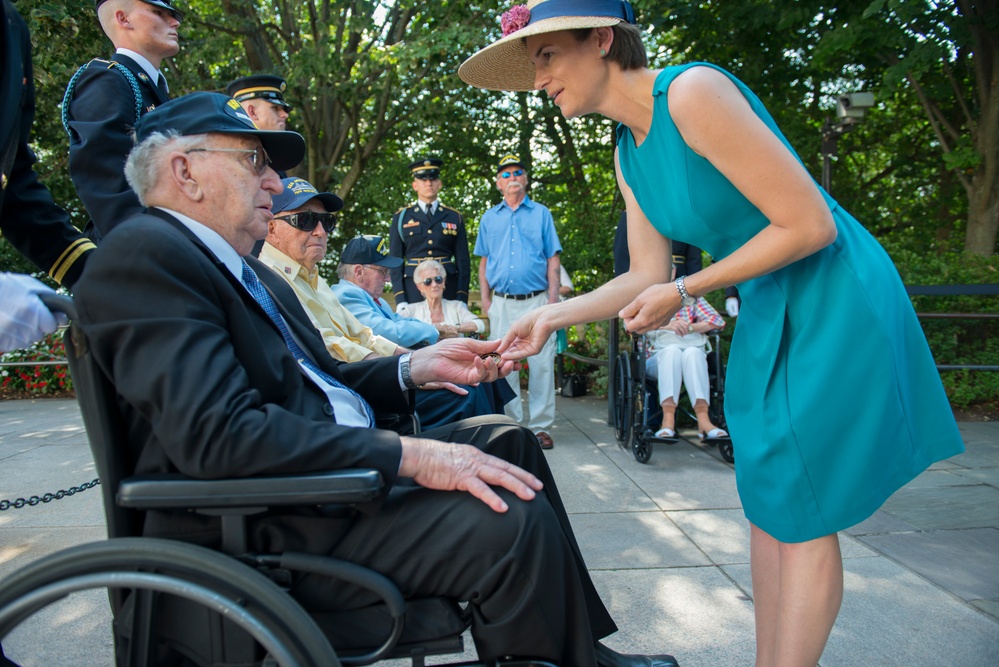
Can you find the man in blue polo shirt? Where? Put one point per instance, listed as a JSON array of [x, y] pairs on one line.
[[518, 272]]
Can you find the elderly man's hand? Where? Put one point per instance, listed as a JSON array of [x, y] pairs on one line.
[[451, 467], [459, 360]]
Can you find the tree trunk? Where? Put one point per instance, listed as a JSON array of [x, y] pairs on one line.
[[983, 199]]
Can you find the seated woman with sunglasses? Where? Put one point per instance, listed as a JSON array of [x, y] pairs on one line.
[[452, 318]]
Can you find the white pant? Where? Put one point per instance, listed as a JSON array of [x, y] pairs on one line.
[[541, 376], [673, 365]]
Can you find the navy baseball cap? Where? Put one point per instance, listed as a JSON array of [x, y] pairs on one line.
[[214, 113], [369, 250], [165, 4], [509, 160], [298, 191]]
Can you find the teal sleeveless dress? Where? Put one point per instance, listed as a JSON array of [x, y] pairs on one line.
[[832, 397]]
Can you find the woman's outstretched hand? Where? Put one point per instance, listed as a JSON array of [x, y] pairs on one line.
[[526, 336], [651, 309]]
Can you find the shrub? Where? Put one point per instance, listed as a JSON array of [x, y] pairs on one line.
[[41, 379]]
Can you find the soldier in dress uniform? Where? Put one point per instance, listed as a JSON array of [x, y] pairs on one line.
[[105, 99], [262, 97], [428, 230]]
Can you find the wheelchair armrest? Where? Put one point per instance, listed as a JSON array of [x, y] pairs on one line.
[[176, 491]]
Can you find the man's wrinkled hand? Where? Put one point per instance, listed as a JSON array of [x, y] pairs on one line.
[[452, 467], [461, 361], [450, 386]]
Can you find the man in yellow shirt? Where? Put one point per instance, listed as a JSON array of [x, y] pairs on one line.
[[297, 239], [296, 242]]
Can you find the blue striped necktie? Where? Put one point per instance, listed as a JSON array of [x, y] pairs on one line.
[[267, 303]]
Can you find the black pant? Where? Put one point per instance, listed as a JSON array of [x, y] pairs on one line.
[[522, 571]]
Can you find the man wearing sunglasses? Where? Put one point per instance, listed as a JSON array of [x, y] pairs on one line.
[[428, 230], [518, 272], [297, 240]]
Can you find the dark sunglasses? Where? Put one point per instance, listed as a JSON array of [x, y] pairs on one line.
[[307, 220], [515, 172], [435, 279]]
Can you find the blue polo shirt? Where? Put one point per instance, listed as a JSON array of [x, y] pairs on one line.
[[517, 245]]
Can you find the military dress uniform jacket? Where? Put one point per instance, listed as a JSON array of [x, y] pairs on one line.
[[415, 236], [100, 115], [29, 218]]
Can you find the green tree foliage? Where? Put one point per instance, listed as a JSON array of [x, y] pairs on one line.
[[374, 85], [941, 57]]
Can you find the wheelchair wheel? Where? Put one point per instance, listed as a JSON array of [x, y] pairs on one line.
[[641, 448], [213, 581], [725, 449], [624, 400]]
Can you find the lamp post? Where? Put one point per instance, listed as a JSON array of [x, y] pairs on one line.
[[850, 110]]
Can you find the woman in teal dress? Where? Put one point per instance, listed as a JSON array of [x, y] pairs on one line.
[[824, 315]]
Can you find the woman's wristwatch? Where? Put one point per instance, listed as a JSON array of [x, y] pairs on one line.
[[685, 299]]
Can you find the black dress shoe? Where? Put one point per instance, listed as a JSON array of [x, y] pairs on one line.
[[609, 658]]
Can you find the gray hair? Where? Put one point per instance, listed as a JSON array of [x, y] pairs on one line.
[[428, 264], [345, 271], [145, 163]]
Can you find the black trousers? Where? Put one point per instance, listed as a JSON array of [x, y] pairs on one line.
[[521, 571]]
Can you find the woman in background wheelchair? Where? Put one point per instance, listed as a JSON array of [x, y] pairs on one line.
[[677, 352]]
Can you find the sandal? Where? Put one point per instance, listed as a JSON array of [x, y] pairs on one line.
[[666, 433], [714, 434]]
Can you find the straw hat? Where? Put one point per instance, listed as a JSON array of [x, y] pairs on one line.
[[506, 65]]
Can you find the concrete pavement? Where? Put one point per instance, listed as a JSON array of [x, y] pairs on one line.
[[666, 543]]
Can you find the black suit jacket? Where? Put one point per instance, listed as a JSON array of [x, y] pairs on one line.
[[415, 236], [29, 218], [101, 117], [206, 384]]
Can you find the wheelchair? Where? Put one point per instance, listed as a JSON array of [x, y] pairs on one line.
[[636, 409], [177, 603]]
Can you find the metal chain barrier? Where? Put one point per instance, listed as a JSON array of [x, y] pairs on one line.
[[48, 497]]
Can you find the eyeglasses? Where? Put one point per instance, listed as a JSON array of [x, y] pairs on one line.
[[515, 172], [258, 158], [380, 269], [435, 279], [306, 221]]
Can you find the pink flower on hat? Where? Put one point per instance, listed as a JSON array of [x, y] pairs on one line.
[[515, 19]]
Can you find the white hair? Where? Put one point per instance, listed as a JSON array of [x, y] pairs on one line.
[[427, 265], [145, 164]]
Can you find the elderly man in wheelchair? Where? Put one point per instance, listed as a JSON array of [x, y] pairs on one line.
[[218, 420]]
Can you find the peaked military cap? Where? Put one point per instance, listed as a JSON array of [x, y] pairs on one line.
[[165, 4], [426, 168], [269, 87]]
